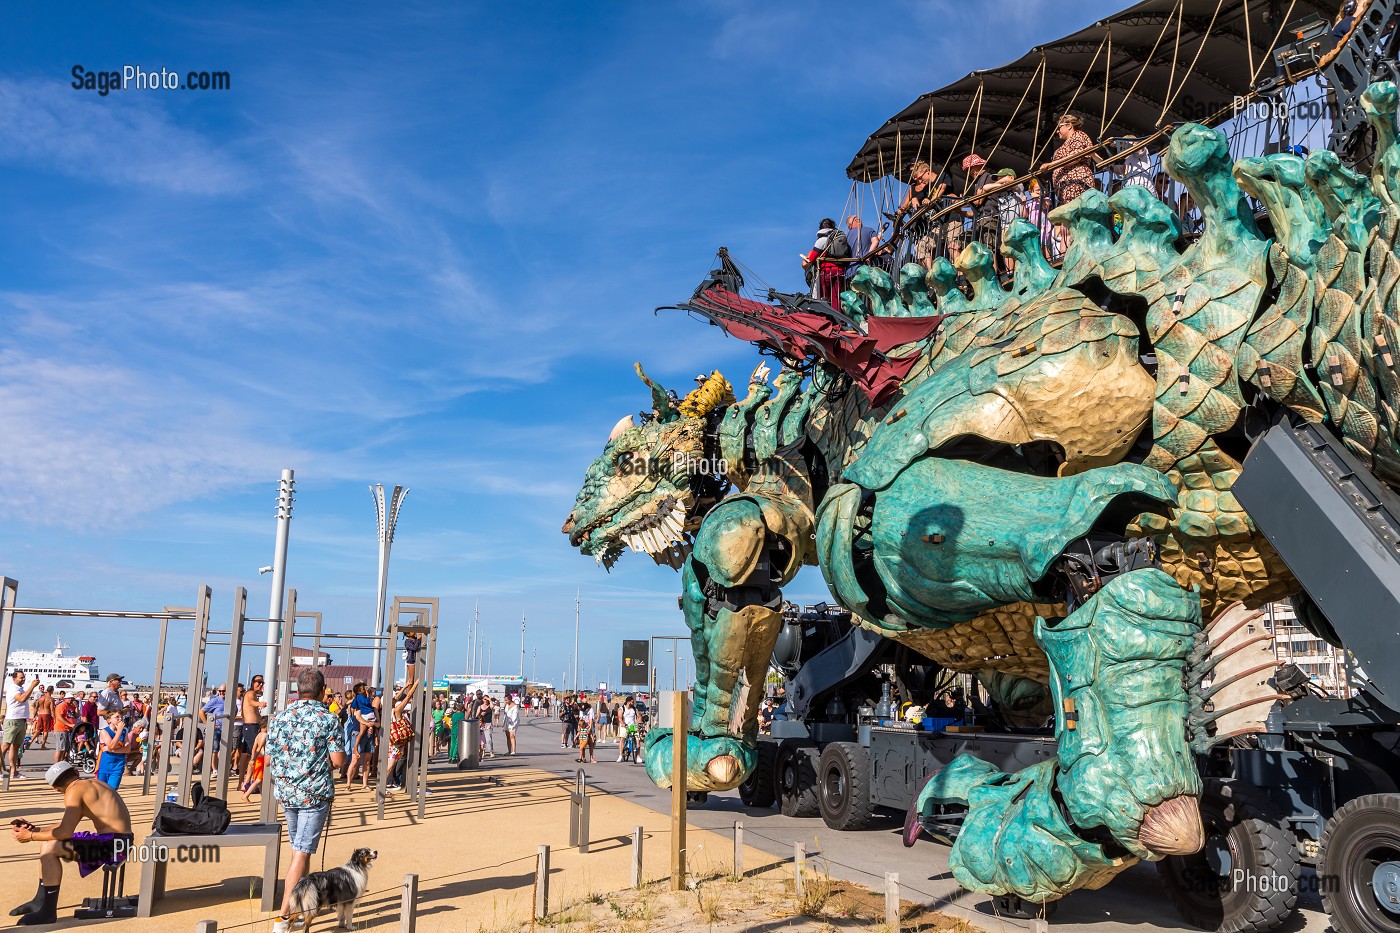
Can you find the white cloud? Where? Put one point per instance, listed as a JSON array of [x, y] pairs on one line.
[[92, 446], [120, 139]]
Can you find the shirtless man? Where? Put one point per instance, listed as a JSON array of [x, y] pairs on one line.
[[43, 716], [250, 722], [107, 844]]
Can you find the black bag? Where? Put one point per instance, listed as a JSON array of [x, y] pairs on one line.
[[838, 247], [208, 817]]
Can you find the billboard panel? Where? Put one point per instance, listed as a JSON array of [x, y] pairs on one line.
[[636, 662]]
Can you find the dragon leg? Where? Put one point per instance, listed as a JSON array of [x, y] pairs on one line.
[[1124, 784], [732, 600]]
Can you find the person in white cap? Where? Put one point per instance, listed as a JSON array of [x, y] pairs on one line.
[[107, 844]]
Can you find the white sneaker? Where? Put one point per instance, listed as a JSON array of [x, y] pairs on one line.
[[281, 926]]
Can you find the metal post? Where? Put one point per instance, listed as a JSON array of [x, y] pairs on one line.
[[738, 848], [207, 926], [286, 494], [153, 723], [9, 595], [232, 707], [636, 856], [408, 905], [388, 517], [275, 689], [680, 720], [210, 761], [542, 883], [892, 901], [195, 690], [522, 647], [799, 861], [578, 813], [385, 671]]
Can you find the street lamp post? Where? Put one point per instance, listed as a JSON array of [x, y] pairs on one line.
[[388, 517], [286, 494]]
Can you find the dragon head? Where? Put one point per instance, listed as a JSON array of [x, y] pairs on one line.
[[648, 488]]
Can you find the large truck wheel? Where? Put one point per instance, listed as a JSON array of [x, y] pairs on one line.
[[1245, 879], [797, 779], [843, 786], [1360, 866], [758, 788]]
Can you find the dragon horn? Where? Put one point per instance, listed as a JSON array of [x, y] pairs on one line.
[[618, 428]]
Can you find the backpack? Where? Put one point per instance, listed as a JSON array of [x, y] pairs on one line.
[[208, 817], [837, 246]]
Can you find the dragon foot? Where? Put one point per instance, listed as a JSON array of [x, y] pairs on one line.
[[712, 763]]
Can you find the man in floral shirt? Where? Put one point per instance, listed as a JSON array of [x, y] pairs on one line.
[[304, 748]]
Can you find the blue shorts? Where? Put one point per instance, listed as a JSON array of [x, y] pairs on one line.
[[304, 826], [110, 770]]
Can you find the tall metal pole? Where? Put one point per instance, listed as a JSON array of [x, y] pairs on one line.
[[388, 518], [576, 600], [476, 631], [522, 646], [286, 494]]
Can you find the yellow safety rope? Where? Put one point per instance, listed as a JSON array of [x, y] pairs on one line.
[[1283, 24], [1146, 63], [1197, 57], [1073, 97], [1248, 40], [1024, 95], [1176, 50], [1107, 62]]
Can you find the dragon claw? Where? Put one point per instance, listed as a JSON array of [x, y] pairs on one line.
[[712, 763]]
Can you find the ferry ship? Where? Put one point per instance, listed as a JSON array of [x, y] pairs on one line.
[[66, 672]]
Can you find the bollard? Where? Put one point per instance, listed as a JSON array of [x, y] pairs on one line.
[[408, 906], [207, 926], [1040, 925], [636, 856], [542, 884], [578, 813], [799, 861], [892, 901], [738, 848]]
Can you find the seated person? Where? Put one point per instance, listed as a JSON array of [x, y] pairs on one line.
[[107, 844]]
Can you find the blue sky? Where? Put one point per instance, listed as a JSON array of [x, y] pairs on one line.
[[413, 244]]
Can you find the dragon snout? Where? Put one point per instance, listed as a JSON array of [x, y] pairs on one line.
[[568, 528], [1173, 827]]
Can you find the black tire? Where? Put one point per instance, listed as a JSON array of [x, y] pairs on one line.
[[796, 774], [1244, 832], [1010, 905], [1362, 840], [843, 786], [758, 788]]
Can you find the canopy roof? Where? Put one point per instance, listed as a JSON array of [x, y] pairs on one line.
[[1155, 63]]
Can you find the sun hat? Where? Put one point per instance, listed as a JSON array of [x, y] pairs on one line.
[[971, 161], [1007, 173]]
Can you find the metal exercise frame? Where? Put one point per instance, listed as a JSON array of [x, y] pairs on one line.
[[9, 609], [424, 624]]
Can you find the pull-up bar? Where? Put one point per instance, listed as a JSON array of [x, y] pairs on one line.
[[100, 613]]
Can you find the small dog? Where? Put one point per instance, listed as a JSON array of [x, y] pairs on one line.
[[340, 888]]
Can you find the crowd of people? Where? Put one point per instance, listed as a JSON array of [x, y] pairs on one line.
[[938, 221]]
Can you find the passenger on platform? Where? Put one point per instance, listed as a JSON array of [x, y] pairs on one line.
[[1010, 201], [829, 276], [1188, 214], [925, 189], [1071, 177], [108, 843], [1161, 187], [862, 241]]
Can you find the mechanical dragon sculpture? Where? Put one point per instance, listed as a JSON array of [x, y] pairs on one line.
[[1044, 498]]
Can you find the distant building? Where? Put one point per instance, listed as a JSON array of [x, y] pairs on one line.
[[1324, 664]]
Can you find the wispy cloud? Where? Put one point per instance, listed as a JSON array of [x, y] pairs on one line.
[[120, 139]]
